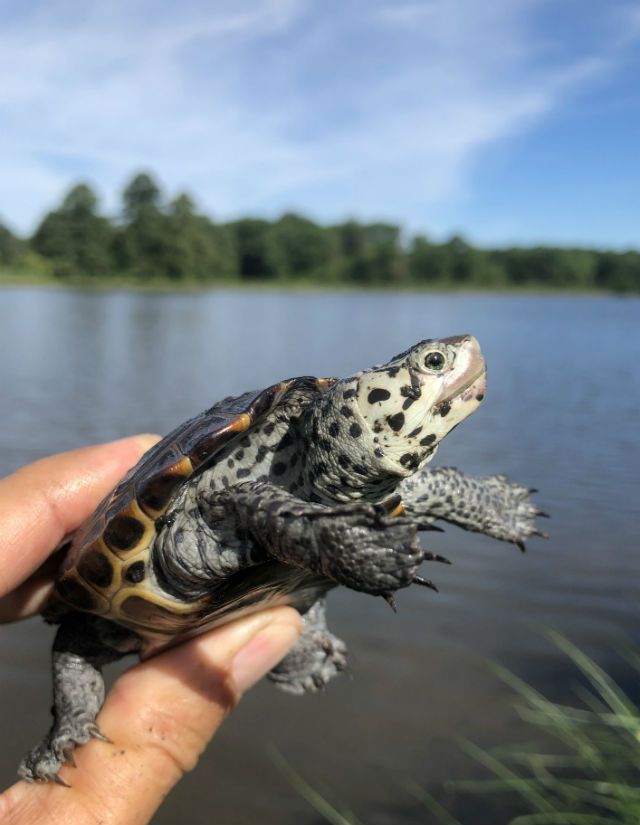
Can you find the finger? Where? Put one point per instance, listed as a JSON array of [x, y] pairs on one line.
[[45, 501], [160, 716]]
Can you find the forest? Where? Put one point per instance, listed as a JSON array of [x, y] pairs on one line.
[[156, 241]]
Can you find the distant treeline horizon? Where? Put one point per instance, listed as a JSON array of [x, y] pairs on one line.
[[155, 239]]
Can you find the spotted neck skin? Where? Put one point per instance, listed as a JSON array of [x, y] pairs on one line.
[[371, 430]]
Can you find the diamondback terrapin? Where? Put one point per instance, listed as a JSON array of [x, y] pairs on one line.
[[273, 497]]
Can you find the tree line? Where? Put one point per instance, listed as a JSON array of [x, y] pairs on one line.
[[154, 239]]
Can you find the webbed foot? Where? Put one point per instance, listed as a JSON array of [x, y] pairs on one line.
[[315, 659], [510, 515], [492, 505], [44, 761]]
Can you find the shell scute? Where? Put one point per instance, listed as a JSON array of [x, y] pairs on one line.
[[154, 493], [98, 574], [95, 566]]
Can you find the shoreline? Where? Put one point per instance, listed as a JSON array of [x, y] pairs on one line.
[[12, 279]]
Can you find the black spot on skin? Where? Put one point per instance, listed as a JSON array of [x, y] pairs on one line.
[[260, 455], [135, 572], [378, 394], [239, 455], [225, 481], [377, 427], [346, 411], [358, 468], [408, 403], [479, 396], [285, 441], [269, 428], [230, 463], [396, 422], [428, 439], [411, 392], [325, 444], [379, 452], [344, 461], [334, 429], [415, 432], [245, 441], [409, 460], [393, 371], [355, 430], [320, 469], [243, 472], [445, 409], [294, 459], [279, 468], [348, 394]]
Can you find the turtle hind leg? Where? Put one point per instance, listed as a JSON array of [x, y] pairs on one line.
[[83, 645], [315, 658]]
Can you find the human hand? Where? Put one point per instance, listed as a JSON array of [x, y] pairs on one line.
[[161, 713]]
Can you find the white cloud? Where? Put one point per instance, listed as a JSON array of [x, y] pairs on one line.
[[366, 107]]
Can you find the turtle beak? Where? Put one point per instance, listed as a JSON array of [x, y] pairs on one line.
[[468, 382]]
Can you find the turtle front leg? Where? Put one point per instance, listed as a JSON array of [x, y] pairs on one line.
[[83, 645], [358, 545], [315, 658], [486, 504]]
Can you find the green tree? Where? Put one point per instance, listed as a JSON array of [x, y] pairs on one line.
[[141, 246], [74, 237], [618, 271], [369, 253], [196, 249], [141, 195], [10, 247], [302, 248], [257, 255], [427, 262]]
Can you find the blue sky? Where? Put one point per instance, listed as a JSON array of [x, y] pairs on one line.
[[510, 121]]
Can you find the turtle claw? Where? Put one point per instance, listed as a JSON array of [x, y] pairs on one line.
[[96, 733], [521, 545], [436, 557], [425, 583], [55, 778], [390, 601], [67, 752]]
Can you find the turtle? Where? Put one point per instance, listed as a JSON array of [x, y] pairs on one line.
[[271, 497]]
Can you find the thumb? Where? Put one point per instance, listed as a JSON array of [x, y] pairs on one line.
[[160, 716]]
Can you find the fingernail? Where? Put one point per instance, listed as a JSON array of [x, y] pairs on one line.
[[262, 654]]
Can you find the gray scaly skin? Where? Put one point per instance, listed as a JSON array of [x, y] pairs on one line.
[[326, 489]]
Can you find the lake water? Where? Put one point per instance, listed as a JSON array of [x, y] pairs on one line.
[[561, 414]]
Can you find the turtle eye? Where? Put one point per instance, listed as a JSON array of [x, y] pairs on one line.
[[434, 361]]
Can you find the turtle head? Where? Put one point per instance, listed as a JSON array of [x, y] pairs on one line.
[[413, 401]]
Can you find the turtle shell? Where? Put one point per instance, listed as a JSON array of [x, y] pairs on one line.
[[105, 571]]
